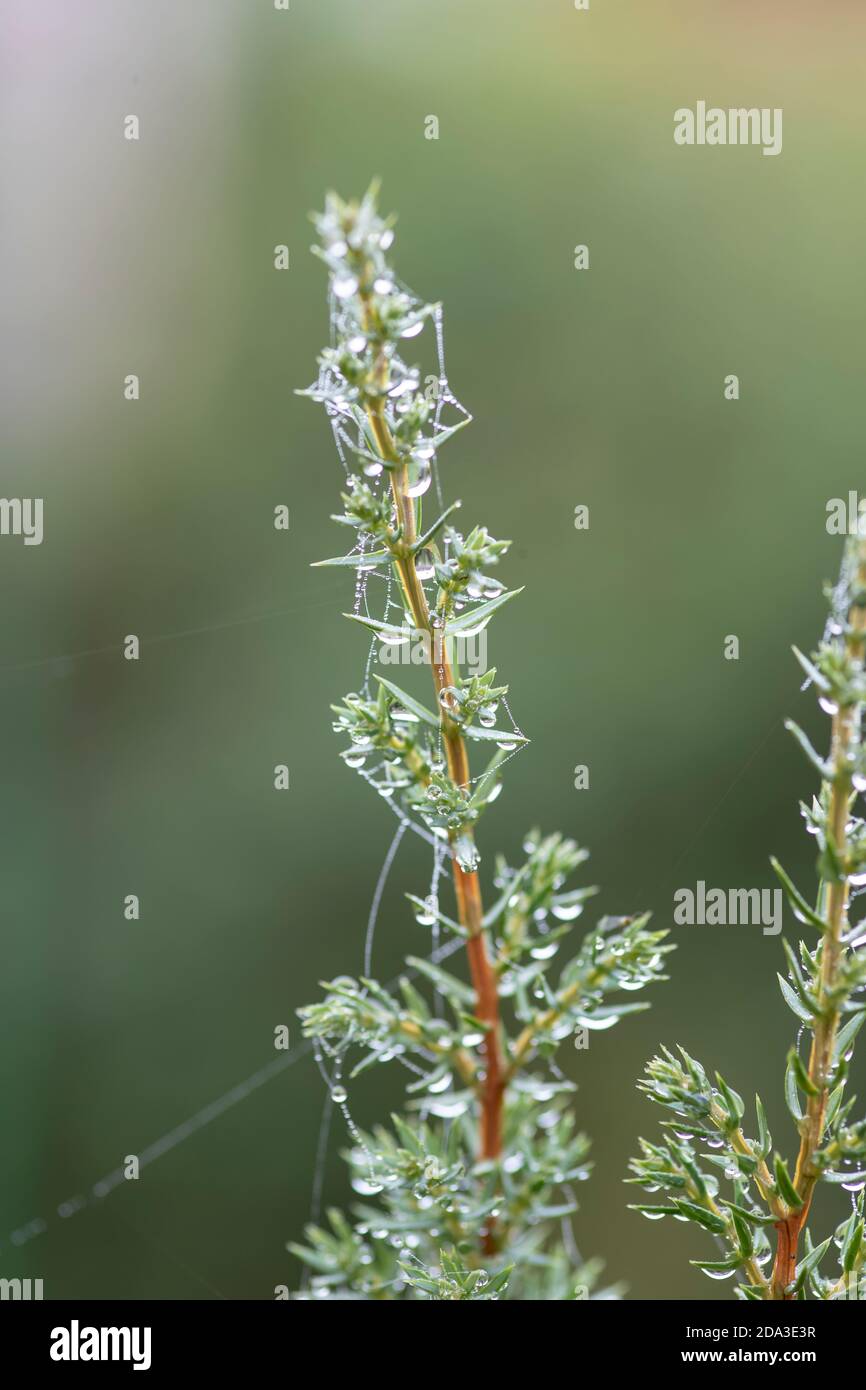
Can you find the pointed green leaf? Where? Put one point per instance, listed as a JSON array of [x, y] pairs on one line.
[[436, 527], [499, 735], [792, 999], [787, 1190], [733, 1103], [804, 1081], [815, 676], [411, 704], [474, 619], [447, 984], [765, 1138], [814, 758], [792, 1098], [833, 1105], [810, 1261], [755, 1218], [422, 905], [443, 435], [359, 560], [707, 1219], [386, 630], [851, 1242], [847, 1034], [800, 908]]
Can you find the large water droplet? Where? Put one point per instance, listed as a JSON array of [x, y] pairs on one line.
[[426, 915], [598, 1024], [425, 567], [403, 716], [449, 699], [448, 1110], [566, 912], [420, 477], [344, 286], [468, 857], [544, 952]]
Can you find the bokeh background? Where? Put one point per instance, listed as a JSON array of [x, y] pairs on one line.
[[601, 387]]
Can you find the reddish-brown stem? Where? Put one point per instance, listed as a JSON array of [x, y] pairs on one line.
[[844, 739], [467, 887]]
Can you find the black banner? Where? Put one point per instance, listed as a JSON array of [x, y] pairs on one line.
[[154, 1338]]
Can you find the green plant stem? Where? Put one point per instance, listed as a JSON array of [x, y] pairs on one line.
[[751, 1266], [762, 1177], [467, 888], [845, 737], [523, 1043]]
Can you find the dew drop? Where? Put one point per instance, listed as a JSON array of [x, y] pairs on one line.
[[448, 1110], [566, 912], [425, 567], [344, 286], [420, 476], [426, 915], [544, 952]]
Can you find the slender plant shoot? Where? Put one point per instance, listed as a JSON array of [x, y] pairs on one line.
[[739, 1189], [474, 1184]]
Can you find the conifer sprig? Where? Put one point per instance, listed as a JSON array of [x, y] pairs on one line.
[[760, 1222], [472, 1184]]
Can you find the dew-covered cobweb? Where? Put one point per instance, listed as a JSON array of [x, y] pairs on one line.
[[377, 595]]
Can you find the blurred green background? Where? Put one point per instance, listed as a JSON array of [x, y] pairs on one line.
[[601, 387]]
